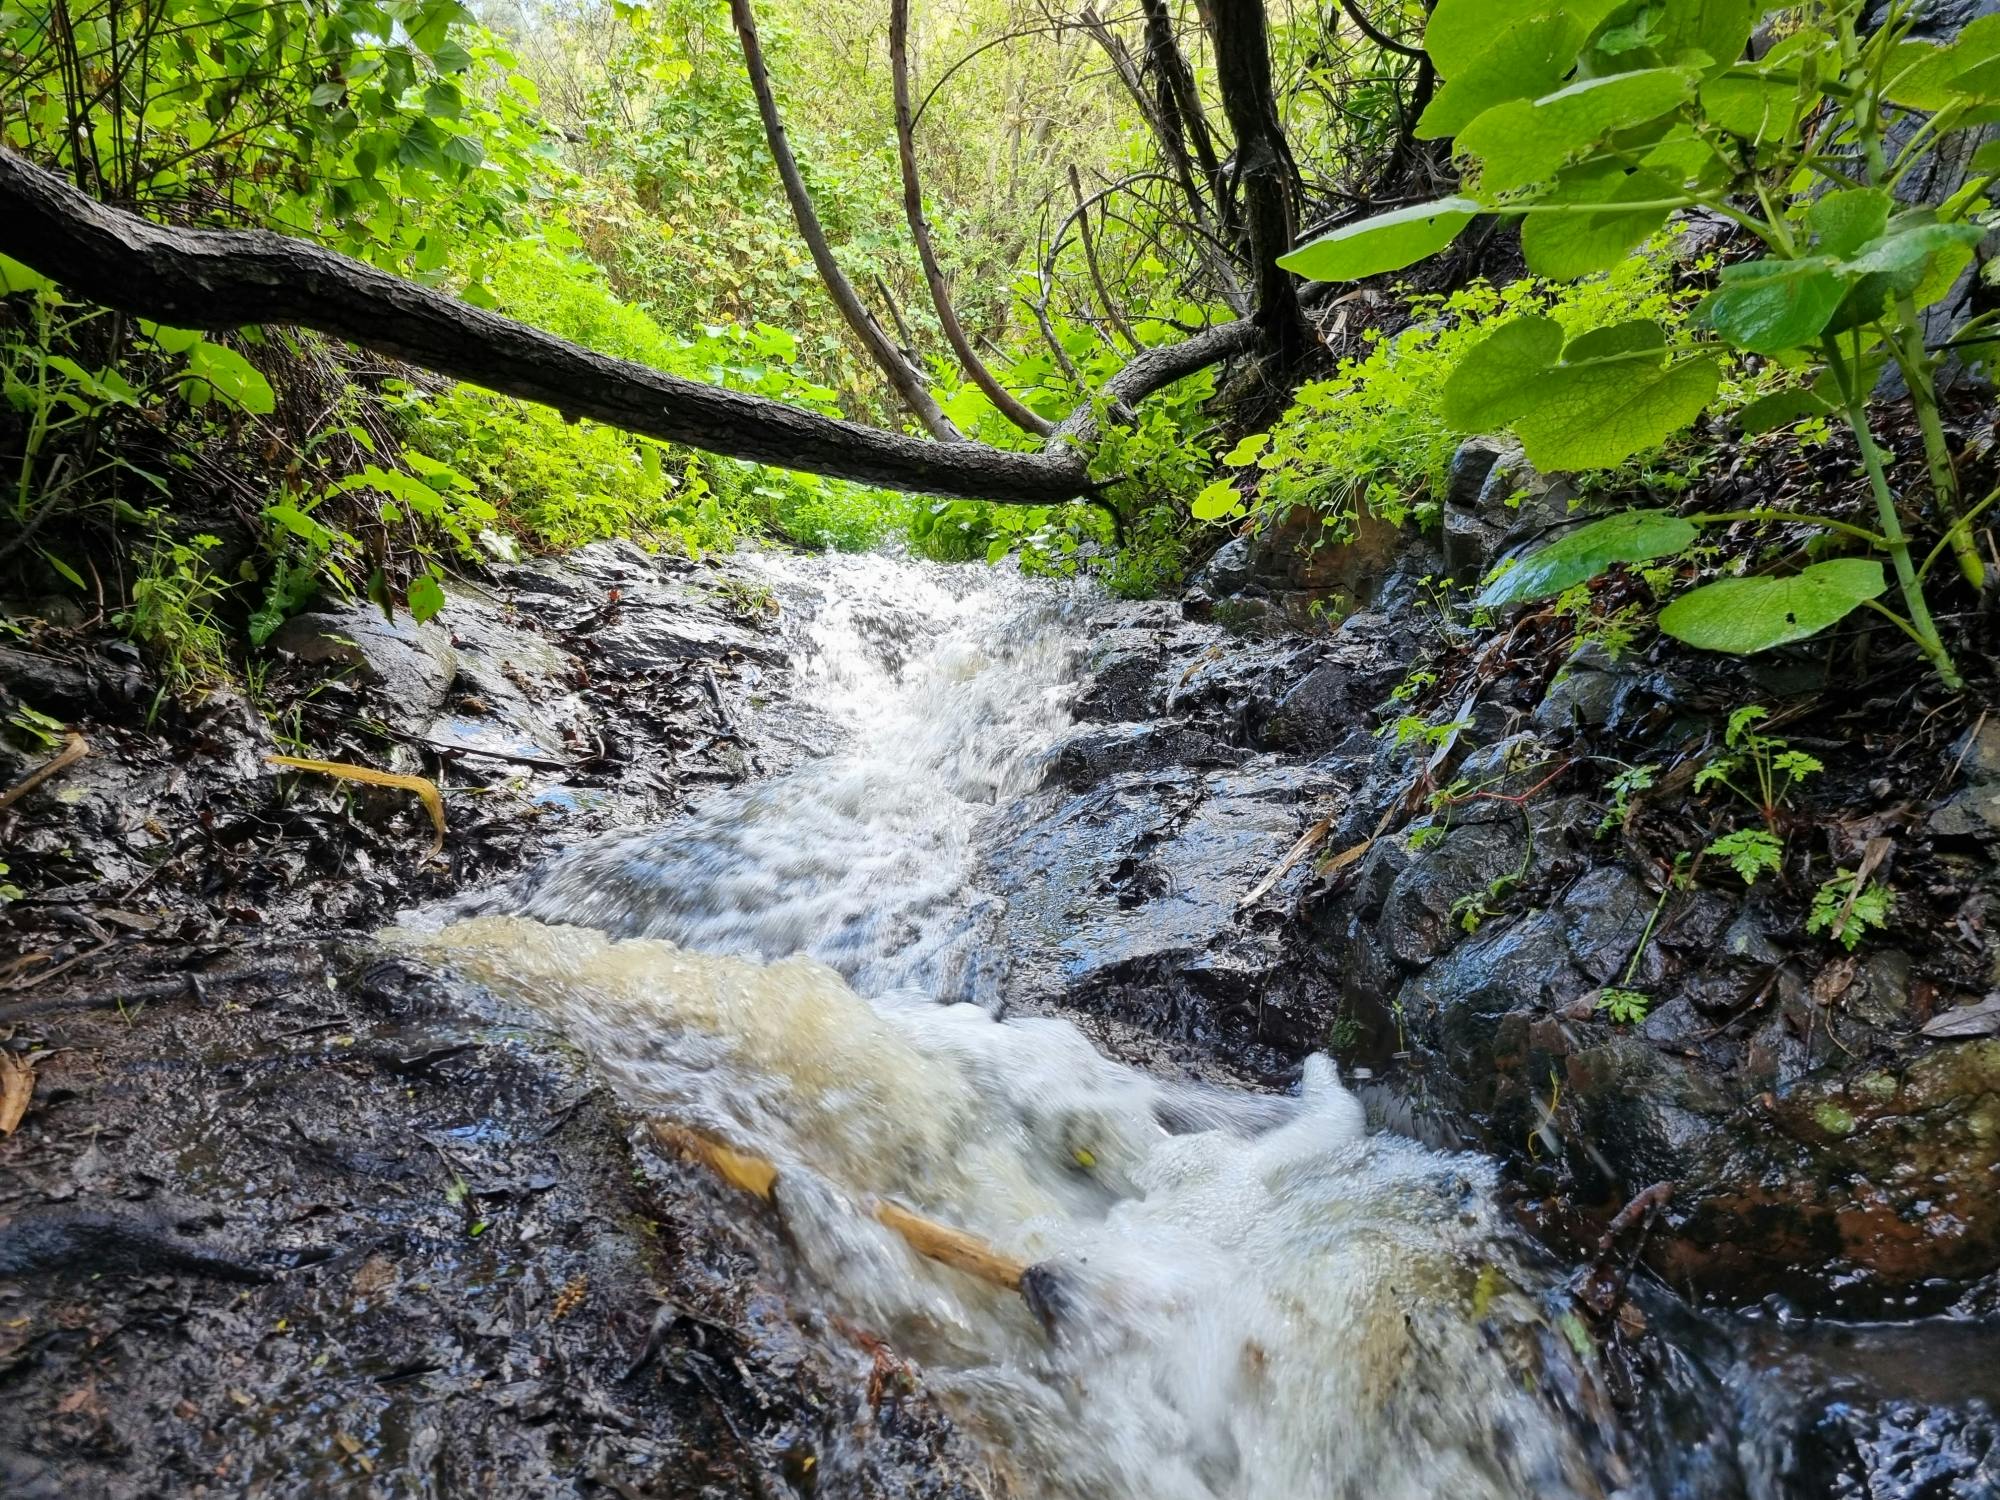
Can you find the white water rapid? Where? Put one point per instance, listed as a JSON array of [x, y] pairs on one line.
[[1254, 1297]]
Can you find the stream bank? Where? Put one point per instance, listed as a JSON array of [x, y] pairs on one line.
[[480, 1278]]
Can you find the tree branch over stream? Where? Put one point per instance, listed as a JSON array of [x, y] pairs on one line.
[[215, 279]]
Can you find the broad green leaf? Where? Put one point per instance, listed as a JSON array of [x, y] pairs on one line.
[[1601, 414], [1756, 107], [1742, 615], [231, 378], [426, 598], [1918, 74], [1634, 536], [16, 278], [1719, 28], [1248, 451], [1386, 242], [1845, 221], [1529, 59], [1460, 32], [1526, 141], [1640, 336], [1768, 306], [1568, 245], [1904, 254], [1217, 502], [170, 340], [1782, 409], [1494, 381]]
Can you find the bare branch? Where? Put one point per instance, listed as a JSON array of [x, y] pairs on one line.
[[908, 381], [1004, 400]]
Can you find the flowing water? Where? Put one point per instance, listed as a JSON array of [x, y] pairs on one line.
[[1235, 1295]]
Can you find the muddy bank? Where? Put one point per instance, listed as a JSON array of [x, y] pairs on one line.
[[283, 1218]]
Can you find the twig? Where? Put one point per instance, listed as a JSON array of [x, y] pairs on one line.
[[72, 752]]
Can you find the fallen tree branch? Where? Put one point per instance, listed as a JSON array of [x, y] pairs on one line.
[[209, 278]]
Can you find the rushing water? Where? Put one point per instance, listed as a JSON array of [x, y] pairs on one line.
[[1236, 1295]]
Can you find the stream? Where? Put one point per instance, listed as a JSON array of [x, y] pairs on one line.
[[1234, 1295]]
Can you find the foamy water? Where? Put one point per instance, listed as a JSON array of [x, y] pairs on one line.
[[1257, 1298]]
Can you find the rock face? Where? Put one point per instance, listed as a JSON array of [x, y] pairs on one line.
[[1820, 1141]]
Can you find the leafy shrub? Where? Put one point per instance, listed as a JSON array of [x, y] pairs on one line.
[[1375, 433]]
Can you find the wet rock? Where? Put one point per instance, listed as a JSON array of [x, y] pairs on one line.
[[1581, 697], [1897, 1450], [1229, 571], [411, 665], [1123, 903], [1973, 811], [1085, 759], [1604, 916], [1421, 916], [1315, 714], [1465, 479]]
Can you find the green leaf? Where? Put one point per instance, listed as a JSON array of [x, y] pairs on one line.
[[1719, 28], [1492, 383], [1632, 537], [1845, 221], [1769, 306], [1782, 409], [1756, 107], [231, 378], [1217, 502], [1565, 246], [1386, 242], [16, 279], [1529, 59], [1522, 142], [1460, 32], [1743, 615], [1638, 336], [170, 340], [1600, 415], [1904, 254], [426, 598]]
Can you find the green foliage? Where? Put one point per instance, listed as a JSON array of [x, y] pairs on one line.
[[1632, 536], [1742, 615], [1595, 122], [1623, 787], [1626, 1007], [1751, 852], [1376, 437], [1846, 911], [173, 613], [1760, 768]]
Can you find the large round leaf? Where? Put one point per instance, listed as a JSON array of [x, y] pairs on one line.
[[1529, 59], [1526, 141], [1598, 415], [1632, 537], [1461, 32], [1387, 242], [1742, 615], [1566, 245], [1494, 380], [1769, 306]]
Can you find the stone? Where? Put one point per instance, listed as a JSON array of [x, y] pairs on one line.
[[1579, 697], [411, 666], [1229, 571], [1315, 714], [1465, 478], [1470, 543]]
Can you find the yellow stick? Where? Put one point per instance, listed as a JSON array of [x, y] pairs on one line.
[[930, 1239], [425, 789]]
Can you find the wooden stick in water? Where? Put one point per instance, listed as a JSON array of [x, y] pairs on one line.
[[930, 1239]]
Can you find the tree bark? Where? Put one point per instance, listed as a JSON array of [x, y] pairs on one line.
[[909, 382], [1263, 165], [1009, 405], [206, 278]]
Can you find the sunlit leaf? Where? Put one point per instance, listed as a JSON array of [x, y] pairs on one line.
[[1742, 615], [1633, 536]]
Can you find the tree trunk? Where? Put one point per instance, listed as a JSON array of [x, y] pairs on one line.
[[1263, 166], [909, 382], [206, 278], [1008, 404]]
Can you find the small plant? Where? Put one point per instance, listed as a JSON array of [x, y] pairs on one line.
[[1626, 1007], [173, 613], [36, 727], [1769, 765], [1623, 787], [1751, 852], [1846, 910]]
